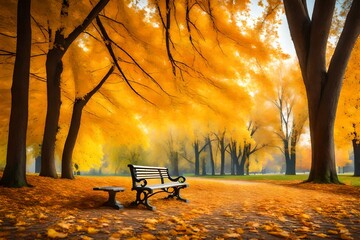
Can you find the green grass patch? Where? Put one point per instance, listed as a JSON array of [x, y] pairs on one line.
[[344, 178], [262, 177], [350, 180]]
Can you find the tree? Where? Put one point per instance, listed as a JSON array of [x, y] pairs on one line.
[[323, 85], [284, 104], [211, 157], [15, 170], [173, 155], [235, 154], [54, 69], [197, 152], [356, 149], [223, 147], [290, 127], [247, 149], [79, 104]]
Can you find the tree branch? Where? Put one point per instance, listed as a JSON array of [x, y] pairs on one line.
[[98, 86], [79, 29], [299, 25], [108, 42]]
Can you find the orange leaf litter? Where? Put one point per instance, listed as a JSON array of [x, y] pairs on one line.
[[218, 209]]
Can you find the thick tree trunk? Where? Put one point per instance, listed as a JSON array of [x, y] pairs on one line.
[[232, 167], [234, 158], [54, 68], [212, 161], [323, 167], [203, 164], [356, 148], [241, 169], [222, 156], [290, 167], [197, 158], [293, 142], [15, 169], [67, 170], [247, 164], [174, 160], [211, 156]]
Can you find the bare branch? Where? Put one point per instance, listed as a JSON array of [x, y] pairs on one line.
[[6, 53], [140, 67], [98, 86], [7, 35], [108, 42], [42, 29]]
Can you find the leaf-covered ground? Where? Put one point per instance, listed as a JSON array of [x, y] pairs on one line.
[[218, 209]]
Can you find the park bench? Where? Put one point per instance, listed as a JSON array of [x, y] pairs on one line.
[[159, 181], [111, 202]]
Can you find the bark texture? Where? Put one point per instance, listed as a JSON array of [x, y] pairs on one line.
[[15, 169], [356, 148], [212, 161], [197, 157]]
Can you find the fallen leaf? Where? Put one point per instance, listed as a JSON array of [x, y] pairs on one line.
[[83, 237], [334, 232], [92, 230], [147, 236], [151, 221], [11, 216], [20, 223], [231, 235], [64, 225], [280, 233], [150, 227], [52, 233], [321, 235], [305, 216], [42, 216], [339, 225], [346, 237]]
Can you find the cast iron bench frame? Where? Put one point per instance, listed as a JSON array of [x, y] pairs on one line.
[[140, 175], [111, 202]]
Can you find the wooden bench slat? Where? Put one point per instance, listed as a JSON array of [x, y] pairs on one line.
[[147, 167], [166, 185]]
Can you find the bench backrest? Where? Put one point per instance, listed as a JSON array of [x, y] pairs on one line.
[[141, 173]]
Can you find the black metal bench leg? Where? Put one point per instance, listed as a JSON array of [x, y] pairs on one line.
[[111, 202], [142, 197], [176, 194]]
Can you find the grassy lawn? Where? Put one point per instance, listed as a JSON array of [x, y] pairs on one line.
[[345, 178]]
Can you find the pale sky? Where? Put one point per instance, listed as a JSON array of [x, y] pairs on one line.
[[284, 33]]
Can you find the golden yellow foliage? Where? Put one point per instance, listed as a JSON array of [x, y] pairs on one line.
[[347, 125]]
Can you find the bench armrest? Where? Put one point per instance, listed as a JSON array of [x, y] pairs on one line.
[[142, 182], [180, 179]]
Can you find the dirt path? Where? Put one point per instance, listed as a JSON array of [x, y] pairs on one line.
[[218, 209]]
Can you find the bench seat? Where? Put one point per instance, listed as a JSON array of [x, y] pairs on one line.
[[164, 185], [111, 202]]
